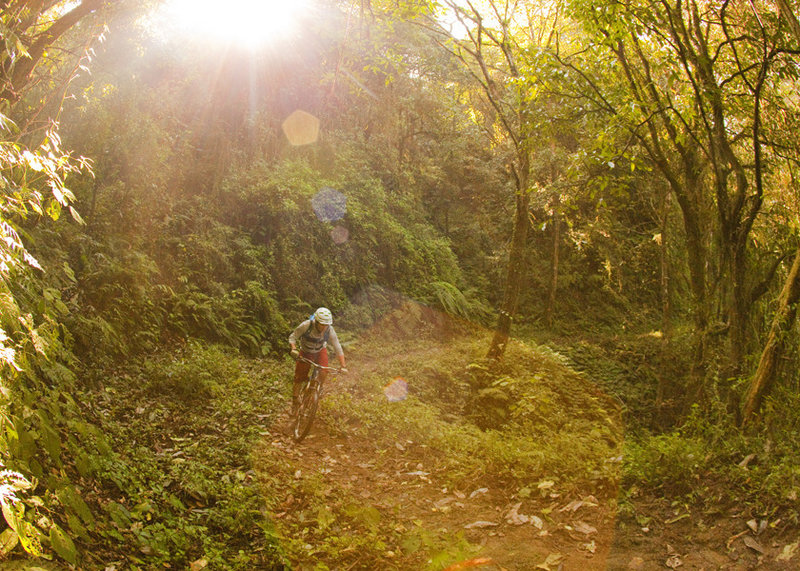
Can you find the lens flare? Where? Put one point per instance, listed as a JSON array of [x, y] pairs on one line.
[[329, 204], [301, 128], [397, 390]]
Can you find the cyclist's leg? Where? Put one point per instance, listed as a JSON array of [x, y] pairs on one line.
[[322, 360], [300, 374]]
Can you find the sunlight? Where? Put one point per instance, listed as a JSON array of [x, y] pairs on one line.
[[245, 23]]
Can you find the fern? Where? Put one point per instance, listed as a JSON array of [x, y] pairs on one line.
[[450, 299]]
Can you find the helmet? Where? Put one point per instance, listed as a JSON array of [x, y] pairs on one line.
[[324, 316]]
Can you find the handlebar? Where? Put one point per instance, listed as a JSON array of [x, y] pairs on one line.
[[318, 366]]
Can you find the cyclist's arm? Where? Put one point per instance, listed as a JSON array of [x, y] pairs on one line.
[[295, 335]]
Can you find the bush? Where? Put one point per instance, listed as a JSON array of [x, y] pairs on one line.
[[195, 374]]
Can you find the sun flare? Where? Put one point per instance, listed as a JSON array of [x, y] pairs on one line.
[[245, 23]]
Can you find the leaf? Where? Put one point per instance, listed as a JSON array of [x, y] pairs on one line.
[[788, 552], [8, 541], [753, 544], [553, 560], [480, 525], [76, 216], [63, 545], [584, 528]]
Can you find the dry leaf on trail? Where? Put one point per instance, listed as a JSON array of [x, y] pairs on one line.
[[674, 562], [573, 506], [199, 564], [514, 517], [591, 547], [753, 544], [553, 561], [788, 552], [480, 525], [537, 522], [478, 492], [636, 563], [584, 528], [758, 527], [444, 502]]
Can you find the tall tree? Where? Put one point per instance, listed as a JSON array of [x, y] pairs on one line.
[[491, 41], [694, 76]]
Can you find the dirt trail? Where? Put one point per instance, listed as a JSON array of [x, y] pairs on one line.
[[570, 533], [405, 485]]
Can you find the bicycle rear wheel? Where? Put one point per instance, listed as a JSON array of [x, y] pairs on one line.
[[302, 421]]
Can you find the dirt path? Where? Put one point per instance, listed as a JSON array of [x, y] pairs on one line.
[[404, 483], [402, 491]]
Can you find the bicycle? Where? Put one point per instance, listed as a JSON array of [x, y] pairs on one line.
[[308, 399]]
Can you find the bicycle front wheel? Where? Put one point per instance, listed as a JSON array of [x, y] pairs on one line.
[[301, 424]]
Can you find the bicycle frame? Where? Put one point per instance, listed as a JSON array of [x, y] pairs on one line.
[[309, 396]]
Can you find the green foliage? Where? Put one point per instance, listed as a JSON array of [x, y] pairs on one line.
[[198, 373], [456, 303], [183, 489]]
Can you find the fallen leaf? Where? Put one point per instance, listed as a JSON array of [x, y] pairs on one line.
[[443, 502], [554, 559], [199, 564], [753, 544], [636, 563], [572, 506], [591, 547], [480, 524], [478, 492], [674, 562], [514, 517], [537, 522], [584, 528], [788, 552]]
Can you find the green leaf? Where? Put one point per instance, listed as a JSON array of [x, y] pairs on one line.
[[63, 545], [8, 541]]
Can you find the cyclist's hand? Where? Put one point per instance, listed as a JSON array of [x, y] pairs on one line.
[[295, 353]]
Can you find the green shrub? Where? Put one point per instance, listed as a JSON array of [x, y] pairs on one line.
[[199, 372]]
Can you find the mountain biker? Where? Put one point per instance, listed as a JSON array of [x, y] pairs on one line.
[[313, 336]]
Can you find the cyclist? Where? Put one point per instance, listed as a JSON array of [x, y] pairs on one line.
[[313, 336]]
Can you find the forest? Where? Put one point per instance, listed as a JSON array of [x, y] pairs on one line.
[[559, 240]]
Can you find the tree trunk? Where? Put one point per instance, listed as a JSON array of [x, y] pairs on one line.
[[551, 298], [516, 264], [666, 305], [770, 356]]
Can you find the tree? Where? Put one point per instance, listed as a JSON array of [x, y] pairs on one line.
[[492, 41], [694, 78]]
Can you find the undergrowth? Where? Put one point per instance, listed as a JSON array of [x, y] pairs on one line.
[[709, 461], [171, 484]]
